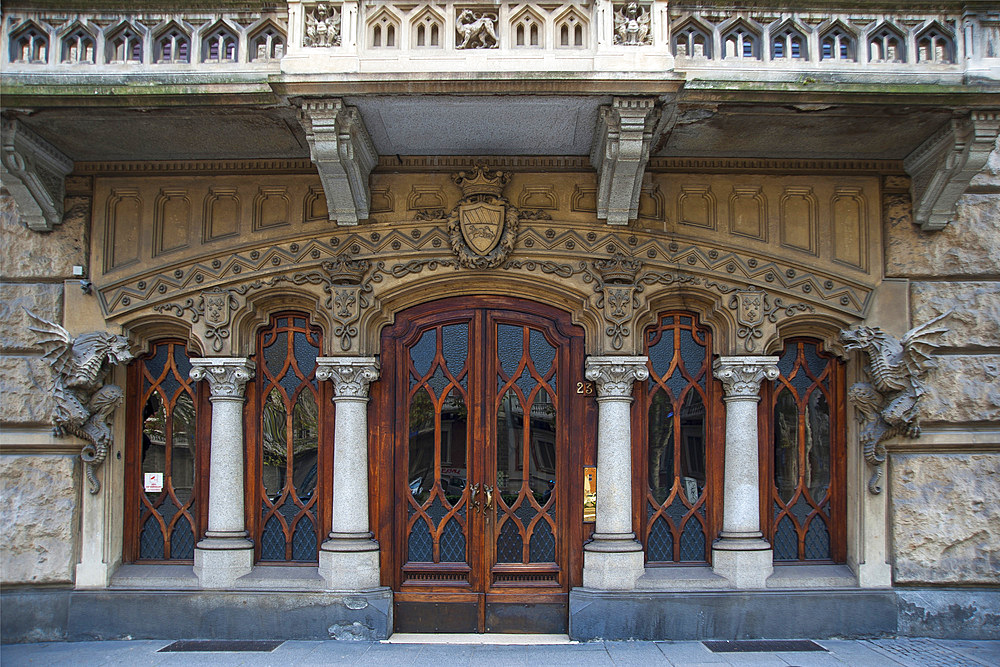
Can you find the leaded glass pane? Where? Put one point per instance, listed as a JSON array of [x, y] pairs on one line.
[[817, 542], [170, 385], [542, 545], [510, 347], [786, 542], [692, 353], [693, 541], [542, 354], [151, 540], [455, 346], [304, 540], [422, 353], [510, 546], [305, 353], [182, 539], [526, 382], [272, 540], [274, 354], [438, 381], [660, 546], [452, 543], [420, 548], [662, 353]]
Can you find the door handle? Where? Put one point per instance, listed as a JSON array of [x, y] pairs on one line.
[[489, 497], [473, 492]]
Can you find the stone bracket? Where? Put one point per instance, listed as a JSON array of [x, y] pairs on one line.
[[620, 154], [942, 166], [34, 172], [343, 154]]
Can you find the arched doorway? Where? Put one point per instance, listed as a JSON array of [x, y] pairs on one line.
[[480, 438]]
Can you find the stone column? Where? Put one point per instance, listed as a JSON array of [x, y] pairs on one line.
[[349, 559], [614, 559], [225, 554], [741, 554]]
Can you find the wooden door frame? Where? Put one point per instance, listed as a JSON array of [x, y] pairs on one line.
[[383, 459]]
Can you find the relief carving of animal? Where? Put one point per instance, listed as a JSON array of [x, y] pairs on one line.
[[84, 402], [476, 32], [889, 404]]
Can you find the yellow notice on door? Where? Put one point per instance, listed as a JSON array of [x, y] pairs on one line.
[[590, 494]]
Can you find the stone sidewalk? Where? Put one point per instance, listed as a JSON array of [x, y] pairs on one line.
[[915, 652]]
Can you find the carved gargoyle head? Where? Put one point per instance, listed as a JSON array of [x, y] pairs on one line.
[[115, 349], [860, 337]]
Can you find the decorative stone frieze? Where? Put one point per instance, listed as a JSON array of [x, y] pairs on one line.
[[227, 376], [891, 403], [620, 153], [343, 154], [84, 403], [34, 172], [942, 166], [351, 376]]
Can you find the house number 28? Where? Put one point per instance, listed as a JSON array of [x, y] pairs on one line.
[[585, 388]]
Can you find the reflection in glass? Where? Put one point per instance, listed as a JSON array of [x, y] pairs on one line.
[[510, 430], [692, 446], [421, 466], [182, 448], [542, 461], [454, 429], [154, 435], [817, 462], [786, 449], [273, 427], [661, 446], [305, 445]]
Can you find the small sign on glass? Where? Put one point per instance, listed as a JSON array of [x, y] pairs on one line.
[[589, 494], [152, 482]]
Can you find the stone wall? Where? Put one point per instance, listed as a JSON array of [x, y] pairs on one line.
[[39, 492], [944, 496], [38, 518]]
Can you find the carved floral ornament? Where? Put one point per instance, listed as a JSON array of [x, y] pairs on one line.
[[227, 376], [741, 376], [614, 376], [351, 376]]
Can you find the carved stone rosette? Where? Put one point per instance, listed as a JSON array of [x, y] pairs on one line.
[[741, 376], [351, 376], [227, 376], [614, 376]]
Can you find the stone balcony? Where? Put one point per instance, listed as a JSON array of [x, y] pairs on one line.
[[703, 40]]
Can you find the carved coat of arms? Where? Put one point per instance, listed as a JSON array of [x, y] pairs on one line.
[[483, 226]]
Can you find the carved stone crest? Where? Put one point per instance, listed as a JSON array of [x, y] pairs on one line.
[[216, 307], [483, 225]]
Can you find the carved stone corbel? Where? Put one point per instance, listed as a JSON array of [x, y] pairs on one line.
[[942, 166], [34, 172], [343, 154], [620, 154]]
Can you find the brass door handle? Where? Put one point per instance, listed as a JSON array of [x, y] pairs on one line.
[[489, 497], [473, 492]]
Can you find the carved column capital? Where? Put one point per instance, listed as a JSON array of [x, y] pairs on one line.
[[351, 376], [620, 153], [614, 375], [343, 154], [741, 376], [34, 172], [227, 376]]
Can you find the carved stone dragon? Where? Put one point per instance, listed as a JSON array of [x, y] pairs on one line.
[[889, 404], [84, 402]]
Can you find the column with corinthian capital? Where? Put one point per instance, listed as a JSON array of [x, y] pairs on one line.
[[349, 559], [225, 554], [614, 559], [741, 554]]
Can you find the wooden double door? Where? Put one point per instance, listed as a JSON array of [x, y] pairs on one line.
[[481, 437]]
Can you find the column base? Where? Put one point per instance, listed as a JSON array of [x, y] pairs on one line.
[[745, 562], [219, 562], [349, 563], [613, 565]]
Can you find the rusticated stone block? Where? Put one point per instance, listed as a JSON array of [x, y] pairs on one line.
[[963, 388], [969, 246], [43, 299], [26, 385], [975, 306], [944, 518], [37, 519], [28, 254]]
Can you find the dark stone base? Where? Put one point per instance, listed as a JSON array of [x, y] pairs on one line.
[[777, 614], [962, 613], [61, 615]]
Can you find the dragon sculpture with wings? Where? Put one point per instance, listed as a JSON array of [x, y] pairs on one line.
[[84, 402], [889, 404]]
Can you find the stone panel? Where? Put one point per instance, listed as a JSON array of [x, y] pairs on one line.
[[963, 388], [37, 519], [970, 246], [976, 305], [944, 518], [43, 299], [25, 390], [28, 254]]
